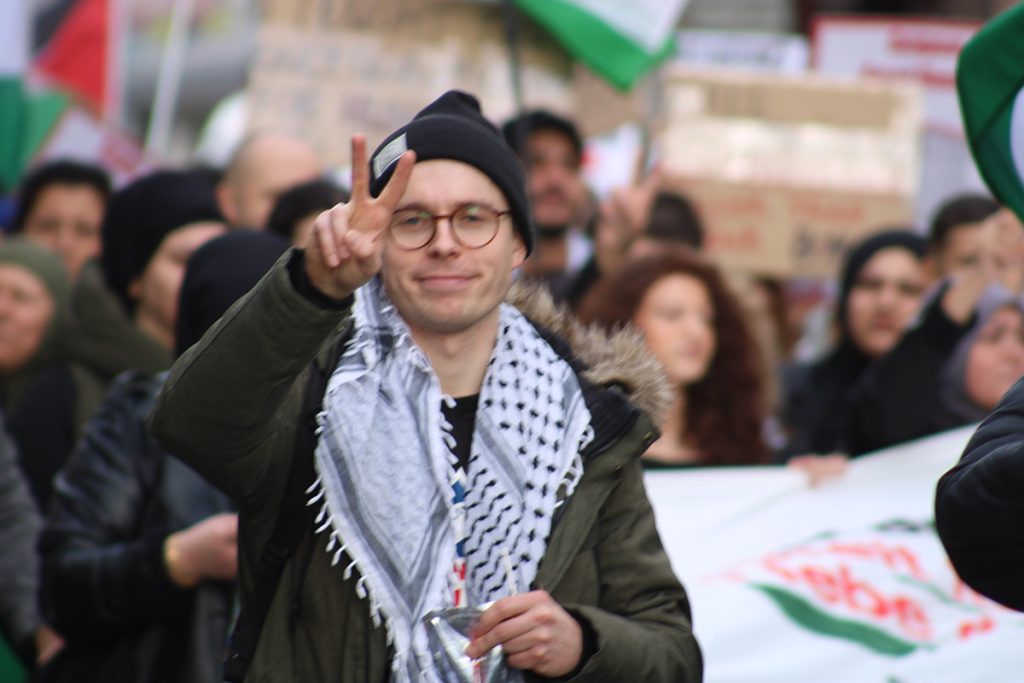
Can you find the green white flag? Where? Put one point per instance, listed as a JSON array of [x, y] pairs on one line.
[[619, 40], [990, 84], [13, 63], [27, 116]]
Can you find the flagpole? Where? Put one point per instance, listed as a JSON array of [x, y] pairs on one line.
[[165, 99], [511, 22], [113, 105]]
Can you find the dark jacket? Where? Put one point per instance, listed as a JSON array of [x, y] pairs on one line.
[[105, 585], [979, 505], [20, 524], [230, 408], [900, 397], [817, 397]]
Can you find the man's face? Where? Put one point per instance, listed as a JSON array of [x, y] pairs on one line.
[[960, 249], [553, 180], [445, 288], [885, 296], [156, 290], [270, 166], [66, 219]]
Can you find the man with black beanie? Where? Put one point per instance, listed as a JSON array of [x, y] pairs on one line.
[[452, 452]]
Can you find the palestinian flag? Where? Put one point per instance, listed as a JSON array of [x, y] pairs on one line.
[[77, 57], [56, 104], [990, 84], [620, 41]]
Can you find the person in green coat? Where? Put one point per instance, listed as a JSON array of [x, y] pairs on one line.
[[468, 452]]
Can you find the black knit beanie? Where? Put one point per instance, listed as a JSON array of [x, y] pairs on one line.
[[142, 214], [452, 127]]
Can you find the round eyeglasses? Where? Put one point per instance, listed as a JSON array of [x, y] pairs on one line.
[[473, 226]]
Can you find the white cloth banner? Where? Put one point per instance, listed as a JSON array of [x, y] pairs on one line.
[[843, 583]]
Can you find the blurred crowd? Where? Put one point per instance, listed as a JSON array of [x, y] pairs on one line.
[[120, 562]]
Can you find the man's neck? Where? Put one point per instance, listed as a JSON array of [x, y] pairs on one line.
[[550, 256], [460, 359]]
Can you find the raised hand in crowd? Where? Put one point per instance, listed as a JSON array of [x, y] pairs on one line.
[[48, 644], [345, 247], [999, 260], [820, 468], [622, 217], [206, 550]]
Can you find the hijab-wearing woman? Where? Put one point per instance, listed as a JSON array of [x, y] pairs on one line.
[[695, 328], [881, 288], [45, 400]]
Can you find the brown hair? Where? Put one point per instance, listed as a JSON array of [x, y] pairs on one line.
[[725, 408]]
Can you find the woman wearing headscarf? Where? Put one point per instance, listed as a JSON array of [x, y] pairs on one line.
[[880, 291], [44, 398], [958, 359], [139, 552], [696, 329]]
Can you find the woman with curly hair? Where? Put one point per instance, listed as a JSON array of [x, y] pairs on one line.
[[696, 329]]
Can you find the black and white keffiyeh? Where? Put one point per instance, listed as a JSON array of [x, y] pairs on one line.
[[386, 471]]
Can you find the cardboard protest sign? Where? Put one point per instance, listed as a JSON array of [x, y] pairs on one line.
[[797, 161], [325, 85]]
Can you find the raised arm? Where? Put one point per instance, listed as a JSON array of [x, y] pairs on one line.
[[222, 407]]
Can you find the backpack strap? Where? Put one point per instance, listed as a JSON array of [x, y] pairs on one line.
[[284, 538]]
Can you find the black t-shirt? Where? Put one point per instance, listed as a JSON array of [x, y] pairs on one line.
[[462, 417]]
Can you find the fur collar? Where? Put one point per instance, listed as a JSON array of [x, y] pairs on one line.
[[619, 357]]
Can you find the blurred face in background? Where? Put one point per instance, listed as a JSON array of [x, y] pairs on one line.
[[553, 180], [156, 290], [677, 318], [996, 360], [65, 219], [26, 309], [265, 168], [884, 298], [959, 250]]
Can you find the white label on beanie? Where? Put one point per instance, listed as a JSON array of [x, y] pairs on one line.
[[388, 155]]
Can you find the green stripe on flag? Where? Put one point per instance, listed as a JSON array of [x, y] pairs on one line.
[[993, 153], [26, 120], [608, 52], [12, 126], [989, 82], [45, 110]]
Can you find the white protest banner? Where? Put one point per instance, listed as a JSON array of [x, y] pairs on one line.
[[844, 583]]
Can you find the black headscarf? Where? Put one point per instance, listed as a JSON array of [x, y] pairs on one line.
[[859, 256], [218, 274], [817, 407]]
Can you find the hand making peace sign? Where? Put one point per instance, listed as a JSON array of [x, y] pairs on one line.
[[344, 248]]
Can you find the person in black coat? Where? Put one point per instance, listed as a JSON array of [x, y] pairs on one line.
[[979, 505], [139, 553], [881, 287], [957, 360]]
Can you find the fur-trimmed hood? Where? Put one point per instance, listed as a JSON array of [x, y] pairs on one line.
[[617, 358]]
